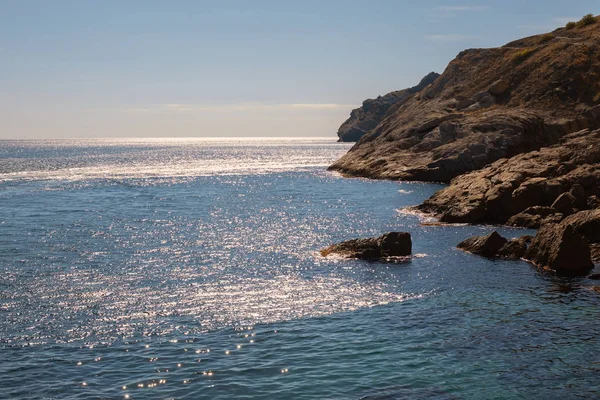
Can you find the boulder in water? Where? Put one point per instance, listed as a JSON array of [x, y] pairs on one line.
[[560, 248], [389, 245], [487, 246]]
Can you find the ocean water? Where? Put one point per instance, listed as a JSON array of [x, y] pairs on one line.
[[188, 268]]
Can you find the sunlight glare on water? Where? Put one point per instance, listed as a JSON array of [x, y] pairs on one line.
[[191, 269], [77, 160]]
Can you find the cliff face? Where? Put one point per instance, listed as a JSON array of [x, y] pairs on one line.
[[488, 104], [373, 111]]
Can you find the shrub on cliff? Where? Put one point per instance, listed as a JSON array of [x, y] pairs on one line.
[[521, 55], [586, 20], [546, 38]]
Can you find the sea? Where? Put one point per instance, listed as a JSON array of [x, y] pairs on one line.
[[190, 269]]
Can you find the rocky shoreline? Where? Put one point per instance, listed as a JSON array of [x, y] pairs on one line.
[[515, 131], [527, 190]]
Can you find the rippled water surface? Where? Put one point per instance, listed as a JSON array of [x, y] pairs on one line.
[[190, 269]]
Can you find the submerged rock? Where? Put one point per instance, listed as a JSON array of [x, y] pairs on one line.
[[487, 246], [392, 244], [560, 248]]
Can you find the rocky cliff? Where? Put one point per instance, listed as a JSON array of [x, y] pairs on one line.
[[373, 111], [489, 104], [530, 189]]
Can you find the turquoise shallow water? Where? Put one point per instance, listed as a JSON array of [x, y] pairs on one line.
[[190, 269]]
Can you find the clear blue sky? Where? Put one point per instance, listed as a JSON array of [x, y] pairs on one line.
[[84, 68]]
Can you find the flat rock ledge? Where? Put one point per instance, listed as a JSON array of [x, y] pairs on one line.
[[387, 246]]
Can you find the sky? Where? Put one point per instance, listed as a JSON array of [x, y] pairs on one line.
[[195, 68]]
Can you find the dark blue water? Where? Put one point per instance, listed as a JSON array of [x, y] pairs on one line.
[[190, 269]]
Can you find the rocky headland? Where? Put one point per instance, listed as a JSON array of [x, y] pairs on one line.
[[373, 111], [488, 104], [515, 131]]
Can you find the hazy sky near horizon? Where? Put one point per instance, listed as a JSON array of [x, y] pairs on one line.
[[141, 68]]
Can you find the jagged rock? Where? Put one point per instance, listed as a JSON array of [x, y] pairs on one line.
[[510, 186], [564, 203], [373, 111], [499, 87], [558, 247], [486, 246], [587, 223], [392, 244], [534, 217]]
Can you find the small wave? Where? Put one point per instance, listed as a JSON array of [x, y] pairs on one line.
[[415, 212], [425, 218]]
